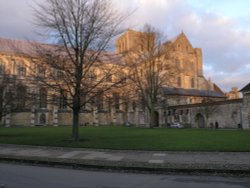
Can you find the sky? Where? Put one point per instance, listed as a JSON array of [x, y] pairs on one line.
[[220, 27]]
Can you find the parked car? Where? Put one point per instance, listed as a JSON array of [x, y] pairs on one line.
[[176, 125]]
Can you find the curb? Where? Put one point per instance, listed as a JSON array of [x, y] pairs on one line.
[[124, 167]]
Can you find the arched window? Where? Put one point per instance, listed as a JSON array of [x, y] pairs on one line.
[[178, 64], [21, 69], [21, 97], [42, 119], [2, 67], [179, 81], [192, 83], [43, 98], [63, 100], [116, 99], [100, 101]]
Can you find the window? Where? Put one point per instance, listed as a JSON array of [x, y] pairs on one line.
[[21, 69], [2, 67], [116, 101], [134, 105], [63, 100], [179, 81], [192, 83], [41, 71], [99, 101], [181, 112], [42, 119], [21, 97], [178, 64], [43, 98], [143, 104]]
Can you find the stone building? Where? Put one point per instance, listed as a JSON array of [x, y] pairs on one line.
[[188, 100]]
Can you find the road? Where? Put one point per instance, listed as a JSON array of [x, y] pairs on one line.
[[23, 176]]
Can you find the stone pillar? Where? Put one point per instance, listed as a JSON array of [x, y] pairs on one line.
[[95, 116], [32, 117], [55, 116]]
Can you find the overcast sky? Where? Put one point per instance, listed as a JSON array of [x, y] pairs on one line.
[[220, 27]]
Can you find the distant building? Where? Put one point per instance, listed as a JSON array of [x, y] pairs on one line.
[[233, 94]]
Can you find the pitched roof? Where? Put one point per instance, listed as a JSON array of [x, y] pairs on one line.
[[246, 88], [192, 92], [22, 47]]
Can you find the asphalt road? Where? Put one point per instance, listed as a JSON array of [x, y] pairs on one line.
[[23, 176]]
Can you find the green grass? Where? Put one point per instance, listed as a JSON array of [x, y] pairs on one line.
[[131, 138]]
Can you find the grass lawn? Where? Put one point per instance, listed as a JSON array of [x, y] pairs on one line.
[[131, 138]]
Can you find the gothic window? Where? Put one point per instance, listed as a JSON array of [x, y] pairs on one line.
[[134, 105], [116, 101], [178, 64], [100, 101], [13, 63], [21, 97], [181, 112], [143, 105], [192, 83], [169, 113], [43, 98], [42, 119], [179, 81], [21, 69], [192, 68], [2, 67], [41, 71], [63, 100]]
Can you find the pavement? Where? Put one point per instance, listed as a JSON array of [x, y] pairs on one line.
[[129, 160]]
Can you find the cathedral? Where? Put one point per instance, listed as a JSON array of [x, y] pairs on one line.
[[190, 99]]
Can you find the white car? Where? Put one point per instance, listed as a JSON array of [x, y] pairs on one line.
[[176, 125]]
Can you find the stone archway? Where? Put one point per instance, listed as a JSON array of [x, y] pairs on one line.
[[42, 119], [200, 121]]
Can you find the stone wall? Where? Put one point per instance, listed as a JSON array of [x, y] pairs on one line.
[[220, 114]]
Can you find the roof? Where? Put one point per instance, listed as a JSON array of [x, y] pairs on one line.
[[192, 92], [23, 47], [222, 102], [246, 88], [35, 49]]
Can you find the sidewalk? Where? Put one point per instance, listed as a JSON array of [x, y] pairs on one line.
[[153, 161]]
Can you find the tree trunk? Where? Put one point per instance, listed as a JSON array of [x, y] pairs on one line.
[[75, 128]]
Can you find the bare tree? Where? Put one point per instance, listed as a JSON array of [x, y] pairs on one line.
[[149, 69], [81, 30]]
